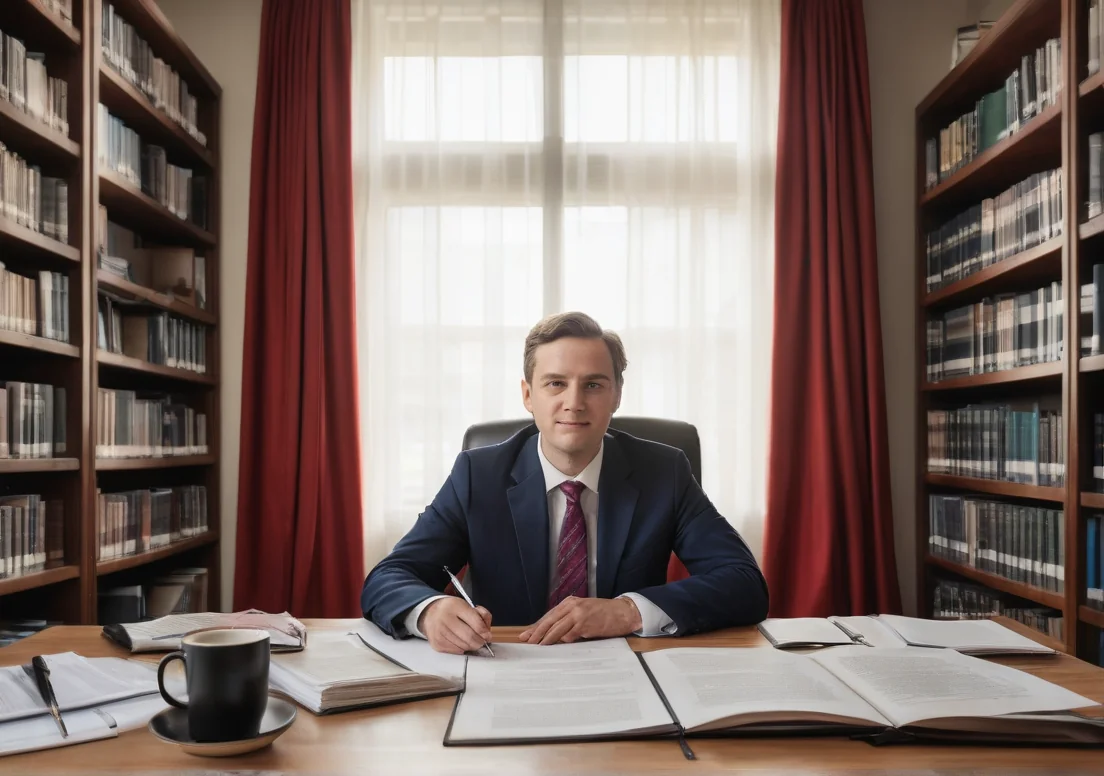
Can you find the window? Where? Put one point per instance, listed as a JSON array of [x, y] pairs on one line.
[[518, 158]]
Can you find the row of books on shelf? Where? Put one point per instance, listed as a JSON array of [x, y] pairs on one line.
[[1092, 313], [130, 424], [998, 442], [1019, 542], [1001, 332], [181, 591], [36, 303], [1094, 561], [130, 55], [1027, 92], [31, 199], [1098, 452], [955, 600], [154, 337], [26, 84], [146, 166], [137, 521], [1020, 217], [32, 534], [32, 420], [1096, 27]]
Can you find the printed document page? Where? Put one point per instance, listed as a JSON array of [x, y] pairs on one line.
[[28, 735], [811, 631], [963, 635], [78, 682], [559, 691], [714, 688], [911, 684], [415, 654]]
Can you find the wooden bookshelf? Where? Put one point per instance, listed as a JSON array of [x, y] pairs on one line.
[[1056, 138], [75, 53]]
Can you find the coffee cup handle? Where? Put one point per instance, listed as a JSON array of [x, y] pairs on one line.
[[161, 678]]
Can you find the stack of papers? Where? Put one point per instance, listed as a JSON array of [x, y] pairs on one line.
[[342, 670]]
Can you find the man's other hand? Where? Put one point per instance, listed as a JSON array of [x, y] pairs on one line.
[[450, 625], [584, 618]]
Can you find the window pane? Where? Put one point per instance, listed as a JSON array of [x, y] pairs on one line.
[[463, 98], [654, 99], [595, 268]]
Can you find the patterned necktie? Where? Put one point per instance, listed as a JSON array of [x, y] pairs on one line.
[[571, 558]]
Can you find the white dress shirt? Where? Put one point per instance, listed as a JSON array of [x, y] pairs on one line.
[[654, 621]]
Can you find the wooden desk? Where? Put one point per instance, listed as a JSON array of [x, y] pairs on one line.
[[406, 738]]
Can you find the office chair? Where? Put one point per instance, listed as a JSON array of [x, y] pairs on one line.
[[674, 433]]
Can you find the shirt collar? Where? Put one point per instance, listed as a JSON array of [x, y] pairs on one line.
[[588, 476]]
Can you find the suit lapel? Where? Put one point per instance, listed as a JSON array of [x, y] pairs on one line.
[[616, 504], [529, 509]]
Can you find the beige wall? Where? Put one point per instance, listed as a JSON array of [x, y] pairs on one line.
[[909, 49], [225, 35]]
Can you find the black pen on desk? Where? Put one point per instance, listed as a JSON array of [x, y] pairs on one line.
[[42, 678], [460, 589]]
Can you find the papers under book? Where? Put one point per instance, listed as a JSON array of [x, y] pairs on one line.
[[286, 634], [342, 670], [588, 691], [972, 637]]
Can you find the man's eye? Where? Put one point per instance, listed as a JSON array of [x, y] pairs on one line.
[[594, 385], [556, 383]]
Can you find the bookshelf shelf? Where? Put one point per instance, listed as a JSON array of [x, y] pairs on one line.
[[30, 137], [29, 465], [997, 487], [1042, 597], [1037, 263], [119, 361], [35, 20], [1049, 370], [38, 579], [1091, 616], [168, 462], [124, 288], [1092, 364], [1092, 500], [130, 206], [15, 237], [1087, 230], [143, 558], [124, 100], [41, 344], [1006, 162], [1091, 84]]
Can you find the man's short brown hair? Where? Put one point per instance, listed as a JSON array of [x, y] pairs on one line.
[[573, 324]]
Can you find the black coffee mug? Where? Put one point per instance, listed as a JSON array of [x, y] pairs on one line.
[[227, 676]]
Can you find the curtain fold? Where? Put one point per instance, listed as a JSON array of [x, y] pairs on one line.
[[299, 536], [829, 529]]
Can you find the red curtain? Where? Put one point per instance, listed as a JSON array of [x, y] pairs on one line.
[[299, 539], [828, 545]]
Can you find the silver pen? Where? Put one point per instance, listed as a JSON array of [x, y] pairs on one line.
[[460, 589], [858, 638]]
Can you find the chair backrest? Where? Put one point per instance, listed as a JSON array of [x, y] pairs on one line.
[[674, 433]]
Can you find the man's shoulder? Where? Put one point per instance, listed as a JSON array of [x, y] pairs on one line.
[[644, 453], [501, 456]]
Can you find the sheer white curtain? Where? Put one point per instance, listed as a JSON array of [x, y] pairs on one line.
[[515, 158]]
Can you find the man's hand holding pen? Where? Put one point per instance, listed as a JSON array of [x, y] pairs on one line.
[[452, 626]]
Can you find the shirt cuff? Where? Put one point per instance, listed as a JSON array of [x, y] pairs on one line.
[[654, 621], [411, 621]]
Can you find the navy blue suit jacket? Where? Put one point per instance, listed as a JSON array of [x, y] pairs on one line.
[[492, 515]]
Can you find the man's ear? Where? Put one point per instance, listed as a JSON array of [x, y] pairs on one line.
[[526, 395]]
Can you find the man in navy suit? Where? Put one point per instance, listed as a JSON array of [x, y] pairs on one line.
[[567, 527]]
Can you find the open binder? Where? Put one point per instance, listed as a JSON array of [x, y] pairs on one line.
[[602, 690]]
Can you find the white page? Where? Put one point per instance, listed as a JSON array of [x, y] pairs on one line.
[[910, 684], [558, 691], [876, 633], [961, 634], [333, 657], [414, 653], [78, 682], [134, 713], [803, 630], [704, 685], [165, 632], [28, 735]]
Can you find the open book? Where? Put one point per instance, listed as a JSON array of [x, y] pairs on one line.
[[602, 690], [972, 637], [343, 670], [286, 634]]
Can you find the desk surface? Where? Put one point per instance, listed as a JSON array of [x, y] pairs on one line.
[[406, 738]]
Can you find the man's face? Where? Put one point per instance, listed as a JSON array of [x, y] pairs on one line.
[[573, 394]]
